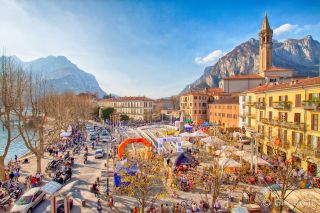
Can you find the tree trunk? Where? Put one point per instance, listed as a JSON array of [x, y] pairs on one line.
[[38, 156], [142, 206], [3, 175]]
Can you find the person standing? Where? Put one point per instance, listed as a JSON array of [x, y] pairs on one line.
[[99, 206]]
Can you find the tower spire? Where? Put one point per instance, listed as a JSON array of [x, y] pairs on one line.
[[265, 25]]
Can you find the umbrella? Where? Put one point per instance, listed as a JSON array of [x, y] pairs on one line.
[[199, 134], [51, 187], [206, 124], [65, 134], [188, 121], [186, 134]]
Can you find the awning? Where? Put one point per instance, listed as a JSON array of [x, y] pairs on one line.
[[51, 187]]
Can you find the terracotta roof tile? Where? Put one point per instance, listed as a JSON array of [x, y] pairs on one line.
[[277, 69], [286, 85], [244, 77], [120, 99]]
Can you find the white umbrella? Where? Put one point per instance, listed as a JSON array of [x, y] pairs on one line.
[[199, 134], [256, 160], [186, 134], [65, 134]]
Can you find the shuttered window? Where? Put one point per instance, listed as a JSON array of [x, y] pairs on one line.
[[298, 100]]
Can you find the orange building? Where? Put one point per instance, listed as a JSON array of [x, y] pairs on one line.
[[224, 112]]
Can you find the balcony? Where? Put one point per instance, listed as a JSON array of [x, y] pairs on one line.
[[283, 105], [260, 105], [250, 115], [249, 103], [283, 124], [311, 105]]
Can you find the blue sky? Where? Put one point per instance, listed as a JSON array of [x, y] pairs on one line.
[[153, 48]]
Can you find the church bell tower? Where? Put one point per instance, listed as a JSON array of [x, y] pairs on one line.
[[265, 50]]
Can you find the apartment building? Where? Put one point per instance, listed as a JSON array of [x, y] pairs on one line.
[[137, 108], [193, 104], [224, 112], [288, 112]]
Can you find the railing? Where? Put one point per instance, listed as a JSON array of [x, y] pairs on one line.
[[307, 150], [311, 105], [249, 103], [283, 123], [250, 115], [285, 105], [260, 105]]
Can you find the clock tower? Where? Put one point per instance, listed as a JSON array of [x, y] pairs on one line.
[[265, 50]]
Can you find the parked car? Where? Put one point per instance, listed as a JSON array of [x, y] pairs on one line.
[[99, 153], [28, 201], [93, 136], [105, 137]]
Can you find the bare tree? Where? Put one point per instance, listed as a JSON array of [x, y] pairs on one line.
[[30, 111], [146, 185], [10, 76]]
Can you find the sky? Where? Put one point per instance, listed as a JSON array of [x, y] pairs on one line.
[[153, 48]]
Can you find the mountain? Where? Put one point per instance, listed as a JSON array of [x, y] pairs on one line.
[[63, 75], [303, 55]]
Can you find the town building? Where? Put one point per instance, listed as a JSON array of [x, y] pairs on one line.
[[288, 112], [224, 112], [193, 104], [137, 108]]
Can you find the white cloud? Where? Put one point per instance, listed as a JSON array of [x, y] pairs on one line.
[[211, 58], [284, 28]]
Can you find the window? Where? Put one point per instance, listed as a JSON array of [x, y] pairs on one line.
[[270, 101], [195, 112], [270, 115], [297, 117], [195, 97], [298, 100], [314, 122], [261, 115], [270, 133]]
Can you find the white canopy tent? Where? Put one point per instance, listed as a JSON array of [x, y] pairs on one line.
[[256, 160], [228, 163]]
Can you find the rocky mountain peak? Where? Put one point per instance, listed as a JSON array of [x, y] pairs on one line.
[[302, 55]]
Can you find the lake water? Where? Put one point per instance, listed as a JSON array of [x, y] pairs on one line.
[[17, 146]]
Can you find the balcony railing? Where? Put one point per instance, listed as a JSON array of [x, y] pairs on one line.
[[250, 115], [260, 105], [283, 123], [311, 105], [284, 105], [249, 103]]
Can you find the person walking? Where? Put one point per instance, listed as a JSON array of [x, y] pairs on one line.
[[99, 206], [110, 202]]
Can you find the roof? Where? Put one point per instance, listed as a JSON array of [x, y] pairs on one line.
[[286, 85], [244, 77], [32, 191], [207, 91], [234, 100], [278, 69], [130, 98], [265, 24]]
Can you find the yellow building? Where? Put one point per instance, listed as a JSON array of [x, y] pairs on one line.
[[290, 112], [137, 108]]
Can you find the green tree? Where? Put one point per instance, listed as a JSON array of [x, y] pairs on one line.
[[124, 117], [107, 112]]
